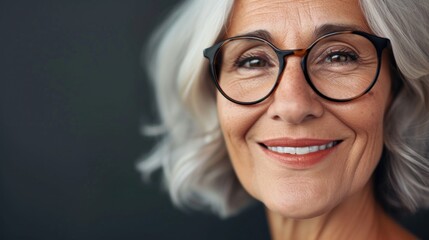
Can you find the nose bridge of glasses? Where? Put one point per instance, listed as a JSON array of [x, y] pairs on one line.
[[295, 52], [286, 53]]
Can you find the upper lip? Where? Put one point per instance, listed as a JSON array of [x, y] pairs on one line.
[[291, 142]]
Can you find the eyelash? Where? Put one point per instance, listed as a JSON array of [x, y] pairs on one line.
[[342, 52], [246, 58]]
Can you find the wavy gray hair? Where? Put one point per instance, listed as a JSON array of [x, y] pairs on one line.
[[192, 154]]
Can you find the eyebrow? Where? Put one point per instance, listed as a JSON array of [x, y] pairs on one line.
[[318, 31], [329, 28], [264, 34]]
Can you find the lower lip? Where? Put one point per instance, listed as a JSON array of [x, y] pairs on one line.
[[303, 161]]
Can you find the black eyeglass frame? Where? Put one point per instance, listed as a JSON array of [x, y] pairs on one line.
[[211, 54]]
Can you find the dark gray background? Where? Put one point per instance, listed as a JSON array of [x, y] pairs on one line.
[[72, 98]]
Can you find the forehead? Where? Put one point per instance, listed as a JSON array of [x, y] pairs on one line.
[[294, 21]]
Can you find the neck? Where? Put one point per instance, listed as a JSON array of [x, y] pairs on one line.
[[359, 217]]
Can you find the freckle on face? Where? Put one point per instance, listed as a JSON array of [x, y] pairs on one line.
[[358, 124]]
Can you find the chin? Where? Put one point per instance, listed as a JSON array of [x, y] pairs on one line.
[[298, 210], [299, 204]]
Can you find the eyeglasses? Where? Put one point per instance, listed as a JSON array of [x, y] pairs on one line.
[[339, 66]]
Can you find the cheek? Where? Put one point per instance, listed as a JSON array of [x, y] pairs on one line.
[[368, 127], [367, 146], [236, 121]]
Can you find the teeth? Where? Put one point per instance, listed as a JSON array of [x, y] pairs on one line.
[[301, 150], [313, 148]]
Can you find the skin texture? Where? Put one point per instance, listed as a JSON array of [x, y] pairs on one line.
[[327, 199]]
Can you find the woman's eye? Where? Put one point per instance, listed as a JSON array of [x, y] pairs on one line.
[[341, 57], [253, 62]]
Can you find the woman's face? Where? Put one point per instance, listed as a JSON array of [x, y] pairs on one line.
[[306, 184]]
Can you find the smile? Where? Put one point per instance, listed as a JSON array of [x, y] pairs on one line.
[[302, 150]]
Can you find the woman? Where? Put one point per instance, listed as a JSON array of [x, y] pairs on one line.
[[321, 112]]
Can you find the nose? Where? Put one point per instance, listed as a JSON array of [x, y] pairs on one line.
[[294, 101]]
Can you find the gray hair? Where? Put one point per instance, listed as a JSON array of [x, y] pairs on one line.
[[406, 162], [192, 154]]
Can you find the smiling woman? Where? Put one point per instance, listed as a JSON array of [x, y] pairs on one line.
[[314, 115]]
